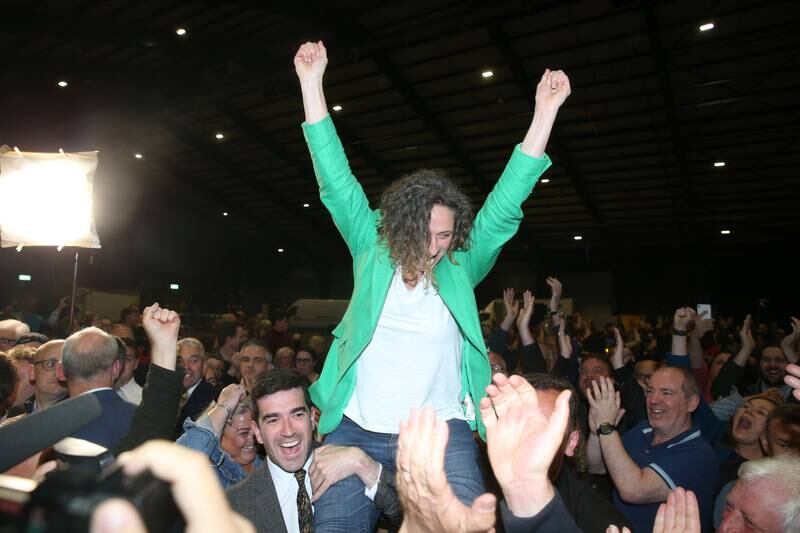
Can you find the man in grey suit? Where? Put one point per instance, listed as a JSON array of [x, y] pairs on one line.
[[277, 497]]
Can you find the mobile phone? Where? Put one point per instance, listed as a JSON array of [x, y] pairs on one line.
[[704, 310]]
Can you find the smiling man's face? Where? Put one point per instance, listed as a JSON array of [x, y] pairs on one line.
[[772, 364], [285, 427]]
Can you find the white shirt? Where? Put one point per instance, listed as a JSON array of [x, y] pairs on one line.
[[286, 488], [413, 360], [131, 392]]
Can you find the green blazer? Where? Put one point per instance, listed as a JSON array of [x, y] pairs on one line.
[[496, 222]]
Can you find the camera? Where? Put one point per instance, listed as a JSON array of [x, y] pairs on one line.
[[65, 499]]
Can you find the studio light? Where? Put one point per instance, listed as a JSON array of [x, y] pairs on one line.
[[60, 185]]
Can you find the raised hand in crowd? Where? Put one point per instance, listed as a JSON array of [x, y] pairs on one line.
[[429, 502], [555, 300], [223, 409], [618, 357], [522, 442], [162, 327], [792, 378], [564, 342], [789, 342], [512, 308], [680, 514], [748, 344], [702, 325], [524, 318], [681, 321], [604, 403], [198, 496]]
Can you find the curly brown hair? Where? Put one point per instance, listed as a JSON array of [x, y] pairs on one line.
[[404, 224]]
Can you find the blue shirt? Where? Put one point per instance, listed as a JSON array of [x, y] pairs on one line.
[[684, 461]]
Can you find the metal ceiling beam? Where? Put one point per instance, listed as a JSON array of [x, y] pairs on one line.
[[685, 201], [238, 174]]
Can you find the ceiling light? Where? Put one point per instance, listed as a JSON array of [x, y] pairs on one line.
[[487, 74], [62, 83], [719, 164], [545, 180], [726, 232], [24, 277], [180, 31], [280, 250], [138, 155], [578, 238], [337, 107], [305, 205], [219, 135], [224, 213], [174, 286], [706, 27]]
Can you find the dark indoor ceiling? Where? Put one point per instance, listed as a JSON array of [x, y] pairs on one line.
[[656, 103]]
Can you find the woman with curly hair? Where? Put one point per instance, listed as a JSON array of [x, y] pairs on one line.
[[411, 335]]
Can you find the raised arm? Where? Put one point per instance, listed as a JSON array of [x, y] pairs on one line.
[[524, 319], [552, 90], [339, 190], [702, 325], [512, 308], [501, 214], [555, 301], [310, 62]]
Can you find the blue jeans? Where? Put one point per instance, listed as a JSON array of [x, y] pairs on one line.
[[345, 508]]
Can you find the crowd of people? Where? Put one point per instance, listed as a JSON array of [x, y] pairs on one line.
[[412, 414]]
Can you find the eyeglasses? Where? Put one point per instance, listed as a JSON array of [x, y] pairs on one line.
[[303, 361], [48, 364]]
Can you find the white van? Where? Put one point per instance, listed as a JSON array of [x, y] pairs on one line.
[[311, 314]]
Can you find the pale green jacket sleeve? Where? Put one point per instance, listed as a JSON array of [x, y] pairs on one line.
[[501, 215], [339, 190]]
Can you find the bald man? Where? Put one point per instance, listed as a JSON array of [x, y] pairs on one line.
[[91, 361]]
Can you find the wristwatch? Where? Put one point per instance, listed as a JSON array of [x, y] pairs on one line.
[[606, 429]]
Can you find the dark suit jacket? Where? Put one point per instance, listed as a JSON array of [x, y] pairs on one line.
[[255, 498], [154, 418], [203, 395], [554, 518], [113, 423], [591, 512]]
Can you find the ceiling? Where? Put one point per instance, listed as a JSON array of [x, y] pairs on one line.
[[656, 102]]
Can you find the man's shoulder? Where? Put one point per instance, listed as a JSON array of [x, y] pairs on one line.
[[204, 390], [252, 485]]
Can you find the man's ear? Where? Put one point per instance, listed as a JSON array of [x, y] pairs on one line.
[[256, 431], [694, 401], [31, 374], [116, 368], [572, 443], [60, 372]]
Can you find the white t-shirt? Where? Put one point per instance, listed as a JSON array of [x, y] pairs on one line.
[[413, 360]]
